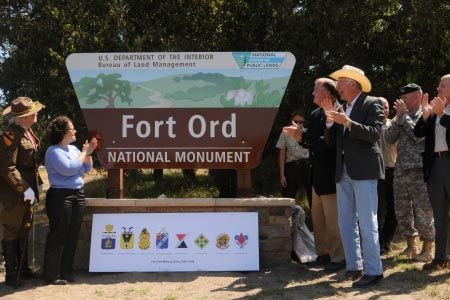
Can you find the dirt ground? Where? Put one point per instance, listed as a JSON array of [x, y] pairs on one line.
[[288, 281], [403, 280]]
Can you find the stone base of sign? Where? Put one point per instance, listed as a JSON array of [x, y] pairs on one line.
[[274, 220]]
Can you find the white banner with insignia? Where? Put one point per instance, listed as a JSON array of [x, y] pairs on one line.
[[165, 242]]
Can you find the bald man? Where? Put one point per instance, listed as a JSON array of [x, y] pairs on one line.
[[434, 125]]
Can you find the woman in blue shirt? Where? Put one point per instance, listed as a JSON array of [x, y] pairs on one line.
[[65, 200]]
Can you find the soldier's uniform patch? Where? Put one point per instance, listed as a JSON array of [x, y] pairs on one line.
[[8, 138]]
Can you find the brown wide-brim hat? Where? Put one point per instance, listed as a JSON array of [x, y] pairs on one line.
[[22, 107], [355, 74]]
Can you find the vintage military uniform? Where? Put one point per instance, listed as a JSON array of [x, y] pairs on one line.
[[19, 160], [412, 205]]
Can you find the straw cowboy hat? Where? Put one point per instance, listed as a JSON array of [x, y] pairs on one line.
[[355, 74], [22, 107]]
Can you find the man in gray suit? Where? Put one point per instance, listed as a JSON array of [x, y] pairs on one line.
[[358, 167]]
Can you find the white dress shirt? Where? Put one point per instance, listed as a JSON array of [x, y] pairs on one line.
[[440, 141]]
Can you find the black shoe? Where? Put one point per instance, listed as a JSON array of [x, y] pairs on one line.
[[321, 260], [333, 267], [11, 281], [68, 277], [351, 275], [367, 281], [57, 282], [27, 273]]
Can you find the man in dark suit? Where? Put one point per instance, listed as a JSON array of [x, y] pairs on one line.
[[434, 125], [327, 238], [358, 167]]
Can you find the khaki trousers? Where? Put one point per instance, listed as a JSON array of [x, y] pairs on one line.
[[327, 238]]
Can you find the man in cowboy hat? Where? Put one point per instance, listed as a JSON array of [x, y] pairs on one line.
[[358, 167], [19, 180]]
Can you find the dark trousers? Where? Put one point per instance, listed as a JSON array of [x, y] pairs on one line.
[[226, 182], [440, 202], [65, 208], [297, 173], [387, 221]]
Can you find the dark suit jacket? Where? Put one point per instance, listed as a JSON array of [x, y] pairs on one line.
[[426, 129], [322, 155], [360, 145]]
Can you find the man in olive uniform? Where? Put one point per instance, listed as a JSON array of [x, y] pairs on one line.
[[19, 180], [412, 205]]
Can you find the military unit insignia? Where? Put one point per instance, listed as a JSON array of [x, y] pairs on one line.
[[8, 138], [144, 240], [222, 241], [162, 239], [127, 238], [108, 238], [181, 243], [241, 240], [201, 241], [108, 241]]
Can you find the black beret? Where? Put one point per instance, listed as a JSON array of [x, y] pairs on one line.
[[409, 88]]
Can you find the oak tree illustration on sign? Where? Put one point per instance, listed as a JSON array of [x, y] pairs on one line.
[[107, 87]]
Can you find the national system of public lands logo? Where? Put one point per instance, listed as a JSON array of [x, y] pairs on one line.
[[259, 60]]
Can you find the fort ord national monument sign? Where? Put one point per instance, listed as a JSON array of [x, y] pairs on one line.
[[184, 110]]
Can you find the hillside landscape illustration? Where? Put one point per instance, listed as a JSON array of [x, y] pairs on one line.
[[201, 90]]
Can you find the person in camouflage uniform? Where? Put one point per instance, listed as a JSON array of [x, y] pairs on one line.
[[19, 180], [412, 205]]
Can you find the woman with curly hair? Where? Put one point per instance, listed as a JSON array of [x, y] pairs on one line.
[[65, 200]]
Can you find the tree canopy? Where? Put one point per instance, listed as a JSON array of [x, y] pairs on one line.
[[394, 42]]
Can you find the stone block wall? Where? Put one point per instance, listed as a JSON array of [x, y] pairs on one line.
[[274, 220]]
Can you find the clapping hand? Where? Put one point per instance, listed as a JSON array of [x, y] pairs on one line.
[[438, 105], [400, 108], [327, 105], [89, 147], [294, 131], [336, 117], [427, 109]]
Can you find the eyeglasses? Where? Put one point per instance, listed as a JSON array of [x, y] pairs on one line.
[[298, 122]]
